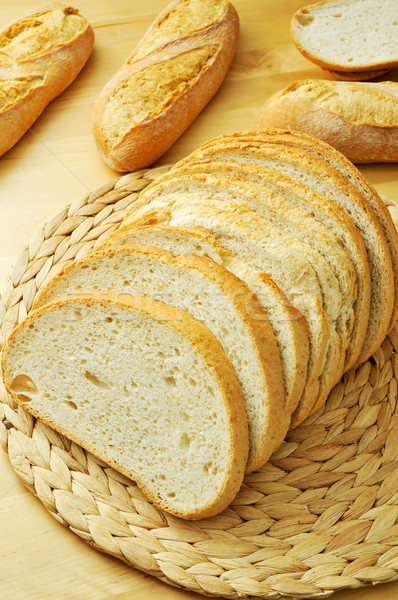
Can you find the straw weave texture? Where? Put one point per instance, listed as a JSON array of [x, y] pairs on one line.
[[322, 515]]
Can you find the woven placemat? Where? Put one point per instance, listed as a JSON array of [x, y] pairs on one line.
[[322, 515]]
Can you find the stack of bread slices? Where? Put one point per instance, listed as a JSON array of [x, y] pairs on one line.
[[277, 247]]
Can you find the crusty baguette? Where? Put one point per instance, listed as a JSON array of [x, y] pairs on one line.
[[358, 119], [348, 35], [41, 54], [96, 372], [162, 87]]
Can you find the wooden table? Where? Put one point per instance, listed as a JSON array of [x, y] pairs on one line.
[[58, 161]]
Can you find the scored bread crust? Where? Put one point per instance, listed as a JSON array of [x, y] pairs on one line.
[[353, 131], [274, 420], [305, 13], [57, 67], [213, 356], [307, 201], [196, 240], [146, 141], [345, 167], [379, 254]]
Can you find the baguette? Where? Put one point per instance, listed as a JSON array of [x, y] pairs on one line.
[[348, 35], [95, 370], [162, 87], [358, 119], [41, 54]]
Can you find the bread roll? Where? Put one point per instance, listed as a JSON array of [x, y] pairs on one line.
[[358, 119], [164, 84], [41, 54]]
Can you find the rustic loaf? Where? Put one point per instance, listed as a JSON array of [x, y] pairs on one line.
[[95, 370], [41, 54], [358, 119], [210, 294], [162, 87], [348, 35]]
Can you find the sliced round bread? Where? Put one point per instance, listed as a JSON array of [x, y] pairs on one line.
[[246, 235], [311, 170], [329, 219], [95, 370], [210, 294], [288, 325], [338, 161]]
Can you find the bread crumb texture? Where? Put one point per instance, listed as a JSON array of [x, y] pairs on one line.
[[358, 103], [147, 93]]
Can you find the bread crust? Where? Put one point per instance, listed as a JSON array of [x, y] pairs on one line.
[[303, 13], [56, 68], [147, 140], [212, 354], [360, 141]]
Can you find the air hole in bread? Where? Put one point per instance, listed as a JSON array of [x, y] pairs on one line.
[[78, 315], [184, 441], [170, 381], [70, 403], [95, 381], [305, 19], [171, 495], [23, 383], [24, 398], [338, 15], [126, 284], [108, 320]]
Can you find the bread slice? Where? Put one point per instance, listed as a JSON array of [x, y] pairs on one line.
[[310, 169], [288, 325], [211, 294], [351, 174], [244, 185], [141, 385], [242, 232], [326, 216], [348, 35]]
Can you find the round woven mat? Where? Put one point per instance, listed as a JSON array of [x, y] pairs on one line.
[[322, 515]]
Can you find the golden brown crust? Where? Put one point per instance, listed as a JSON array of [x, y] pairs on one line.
[[358, 124], [147, 140], [357, 75], [52, 71], [212, 354]]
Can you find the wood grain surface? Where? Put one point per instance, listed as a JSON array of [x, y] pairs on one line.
[[56, 162]]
